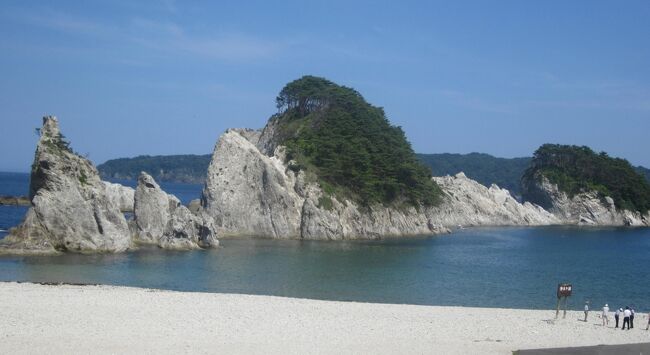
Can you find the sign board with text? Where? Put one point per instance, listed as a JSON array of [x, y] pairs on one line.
[[564, 290]]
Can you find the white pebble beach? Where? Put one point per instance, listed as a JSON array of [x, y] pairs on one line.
[[70, 319]]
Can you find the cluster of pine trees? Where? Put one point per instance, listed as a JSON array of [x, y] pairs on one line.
[[576, 169], [350, 145]]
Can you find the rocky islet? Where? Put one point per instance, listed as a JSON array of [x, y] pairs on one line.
[[73, 210], [252, 190]]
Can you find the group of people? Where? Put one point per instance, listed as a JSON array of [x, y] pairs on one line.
[[627, 314]]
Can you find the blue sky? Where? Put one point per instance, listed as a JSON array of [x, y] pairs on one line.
[[168, 77]]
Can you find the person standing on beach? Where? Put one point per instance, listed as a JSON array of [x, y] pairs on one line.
[[648, 326], [606, 315], [616, 315], [626, 318], [586, 310], [631, 317]]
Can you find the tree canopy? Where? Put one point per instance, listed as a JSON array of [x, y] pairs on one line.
[[579, 169], [331, 131]]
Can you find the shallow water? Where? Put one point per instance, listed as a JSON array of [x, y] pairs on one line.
[[486, 267], [504, 267]]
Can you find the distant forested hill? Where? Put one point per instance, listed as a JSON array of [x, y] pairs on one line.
[[483, 168], [176, 168]]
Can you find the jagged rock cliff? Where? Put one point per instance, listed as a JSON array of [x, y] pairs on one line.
[[469, 203], [71, 208], [162, 220], [251, 192], [586, 208]]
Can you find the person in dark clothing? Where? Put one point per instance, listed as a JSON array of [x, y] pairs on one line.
[[631, 317], [616, 315], [626, 318]]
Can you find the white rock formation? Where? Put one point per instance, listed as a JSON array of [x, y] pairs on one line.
[[585, 208], [248, 193], [162, 220], [72, 209], [120, 195], [469, 203], [251, 192]]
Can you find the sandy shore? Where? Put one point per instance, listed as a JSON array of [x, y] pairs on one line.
[[106, 319]]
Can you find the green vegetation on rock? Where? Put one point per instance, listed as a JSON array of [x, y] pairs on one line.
[[579, 169], [332, 133], [57, 144], [643, 171]]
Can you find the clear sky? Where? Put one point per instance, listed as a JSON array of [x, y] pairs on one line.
[[168, 77]]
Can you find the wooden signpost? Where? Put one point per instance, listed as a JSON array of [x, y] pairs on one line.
[[563, 292]]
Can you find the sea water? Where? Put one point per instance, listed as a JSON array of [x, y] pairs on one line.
[[484, 267]]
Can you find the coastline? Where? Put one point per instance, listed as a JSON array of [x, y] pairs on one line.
[[115, 319]]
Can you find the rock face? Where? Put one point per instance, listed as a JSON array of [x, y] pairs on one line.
[[251, 191], [586, 208], [469, 203], [71, 208], [162, 220], [120, 195]]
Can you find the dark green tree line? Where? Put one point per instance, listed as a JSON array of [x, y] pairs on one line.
[[350, 145]]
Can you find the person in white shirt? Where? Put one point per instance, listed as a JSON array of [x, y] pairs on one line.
[[606, 315], [626, 318], [617, 314], [586, 310]]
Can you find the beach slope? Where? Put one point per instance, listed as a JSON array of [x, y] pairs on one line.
[[108, 319]]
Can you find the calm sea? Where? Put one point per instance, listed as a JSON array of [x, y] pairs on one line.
[[486, 267]]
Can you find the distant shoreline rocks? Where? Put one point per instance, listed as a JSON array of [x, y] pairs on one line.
[[14, 201]]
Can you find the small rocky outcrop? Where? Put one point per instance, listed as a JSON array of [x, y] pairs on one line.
[[585, 208], [14, 200], [71, 208], [250, 192], [162, 220]]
